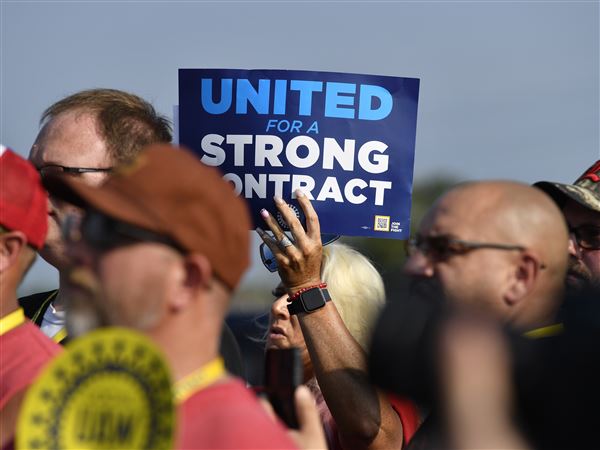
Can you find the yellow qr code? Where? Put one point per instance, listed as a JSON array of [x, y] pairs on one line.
[[382, 223]]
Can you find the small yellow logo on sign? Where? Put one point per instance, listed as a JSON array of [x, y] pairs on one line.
[[382, 223]]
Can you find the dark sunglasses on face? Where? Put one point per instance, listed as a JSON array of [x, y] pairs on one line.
[[268, 259], [441, 248], [56, 169], [104, 233], [587, 236]]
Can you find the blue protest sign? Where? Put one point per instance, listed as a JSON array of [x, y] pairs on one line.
[[346, 140]]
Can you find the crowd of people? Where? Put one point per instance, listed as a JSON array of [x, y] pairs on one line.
[[137, 247]]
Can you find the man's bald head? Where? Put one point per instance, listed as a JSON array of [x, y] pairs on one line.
[[513, 212], [521, 285]]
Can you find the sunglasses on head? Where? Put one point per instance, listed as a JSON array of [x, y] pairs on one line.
[[587, 236], [268, 259], [104, 233], [441, 248]]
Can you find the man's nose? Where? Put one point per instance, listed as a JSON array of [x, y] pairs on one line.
[[574, 248], [418, 264]]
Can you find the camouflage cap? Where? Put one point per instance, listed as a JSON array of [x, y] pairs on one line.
[[585, 191]]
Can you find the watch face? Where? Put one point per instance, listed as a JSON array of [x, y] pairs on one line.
[[312, 300]]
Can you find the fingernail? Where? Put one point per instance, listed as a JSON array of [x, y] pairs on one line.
[[277, 199], [299, 193], [264, 213], [259, 230]]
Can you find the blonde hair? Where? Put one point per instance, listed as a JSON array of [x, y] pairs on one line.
[[356, 288]]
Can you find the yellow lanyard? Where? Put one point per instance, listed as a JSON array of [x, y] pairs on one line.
[[62, 334], [199, 379], [12, 320], [550, 330]]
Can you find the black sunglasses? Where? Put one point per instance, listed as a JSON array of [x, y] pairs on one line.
[[587, 236], [441, 248], [268, 259], [57, 169], [104, 233]]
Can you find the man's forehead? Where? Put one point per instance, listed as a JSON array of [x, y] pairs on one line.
[[442, 220], [452, 214], [71, 139]]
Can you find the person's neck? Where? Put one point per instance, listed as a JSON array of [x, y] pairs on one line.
[[9, 302], [533, 319], [186, 349]]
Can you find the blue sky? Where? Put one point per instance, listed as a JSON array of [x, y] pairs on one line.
[[509, 89]]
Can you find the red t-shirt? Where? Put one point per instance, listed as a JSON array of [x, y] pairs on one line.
[[24, 351], [406, 410], [228, 416]]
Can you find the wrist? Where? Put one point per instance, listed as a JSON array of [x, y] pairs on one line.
[[309, 299], [303, 286], [296, 295]]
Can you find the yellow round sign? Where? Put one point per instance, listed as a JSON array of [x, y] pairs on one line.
[[110, 389]]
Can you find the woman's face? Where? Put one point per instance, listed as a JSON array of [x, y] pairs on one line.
[[284, 331]]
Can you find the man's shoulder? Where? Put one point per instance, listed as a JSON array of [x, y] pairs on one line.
[[38, 345], [232, 400], [32, 304], [19, 368], [228, 415]]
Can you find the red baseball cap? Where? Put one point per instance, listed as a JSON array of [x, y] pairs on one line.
[[23, 200]]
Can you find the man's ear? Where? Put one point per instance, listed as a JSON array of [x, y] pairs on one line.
[[12, 244], [524, 277], [195, 276], [198, 271]]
